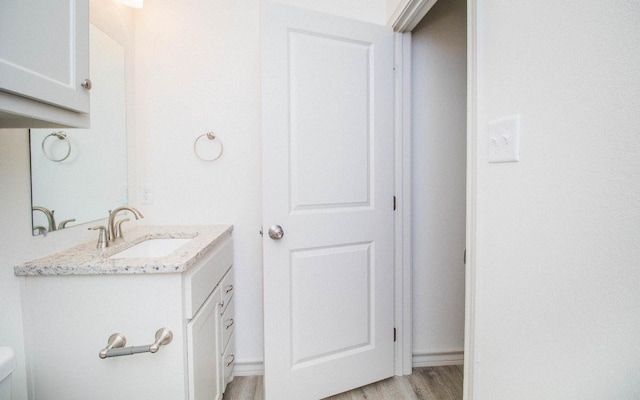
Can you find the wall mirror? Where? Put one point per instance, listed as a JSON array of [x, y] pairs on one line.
[[77, 175]]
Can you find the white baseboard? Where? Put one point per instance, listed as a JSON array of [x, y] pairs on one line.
[[439, 358], [423, 359], [248, 368]]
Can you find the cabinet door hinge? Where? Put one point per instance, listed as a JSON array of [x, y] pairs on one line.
[[394, 335], [394, 203]]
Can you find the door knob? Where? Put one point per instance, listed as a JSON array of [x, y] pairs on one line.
[[276, 232]]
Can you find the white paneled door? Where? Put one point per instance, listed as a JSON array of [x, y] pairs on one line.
[[327, 87]]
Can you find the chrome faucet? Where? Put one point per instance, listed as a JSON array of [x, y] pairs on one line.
[[49, 214], [114, 233]]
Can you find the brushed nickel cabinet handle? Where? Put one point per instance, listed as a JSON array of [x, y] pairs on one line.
[[232, 359], [87, 84]]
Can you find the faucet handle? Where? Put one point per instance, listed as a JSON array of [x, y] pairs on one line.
[[103, 242], [64, 223], [118, 230]]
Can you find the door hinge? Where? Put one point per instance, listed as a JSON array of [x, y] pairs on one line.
[[464, 257], [394, 203], [394, 335]]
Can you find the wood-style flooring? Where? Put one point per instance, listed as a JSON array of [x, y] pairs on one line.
[[428, 383]]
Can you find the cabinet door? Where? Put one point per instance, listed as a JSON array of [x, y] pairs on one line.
[[44, 51], [203, 351]]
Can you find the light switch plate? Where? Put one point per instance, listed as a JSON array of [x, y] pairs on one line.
[[146, 194], [504, 140]]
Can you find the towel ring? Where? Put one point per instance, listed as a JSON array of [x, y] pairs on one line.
[[210, 136], [62, 136]]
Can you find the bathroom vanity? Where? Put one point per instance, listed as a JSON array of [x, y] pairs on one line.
[[153, 278]]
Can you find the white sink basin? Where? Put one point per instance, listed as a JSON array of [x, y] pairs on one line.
[[152, 248]]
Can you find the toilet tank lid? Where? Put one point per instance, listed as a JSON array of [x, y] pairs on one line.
[[7, 362]]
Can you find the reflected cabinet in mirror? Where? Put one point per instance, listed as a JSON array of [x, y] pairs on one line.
[[77, 175]]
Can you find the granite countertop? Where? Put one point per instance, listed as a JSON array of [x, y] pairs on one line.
[[86, 259]]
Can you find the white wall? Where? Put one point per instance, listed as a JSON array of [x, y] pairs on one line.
[[558, 241], [17, 244], [392, 5], [438, 184], [373, 11], [198, 70]]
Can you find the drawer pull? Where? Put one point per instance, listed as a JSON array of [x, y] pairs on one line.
[[232, 357], [228, 288], [222, 304], [229, 324]]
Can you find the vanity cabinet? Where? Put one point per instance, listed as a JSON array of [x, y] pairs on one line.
[[44, 62], [227, 327], [68, 319], [215, 319]]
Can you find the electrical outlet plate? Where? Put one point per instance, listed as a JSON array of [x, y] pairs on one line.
[[504, 140]]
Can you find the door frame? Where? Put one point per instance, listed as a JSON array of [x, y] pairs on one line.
[[403, 20], [403, 226]]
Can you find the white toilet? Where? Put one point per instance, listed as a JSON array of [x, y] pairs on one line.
[[7, 365]]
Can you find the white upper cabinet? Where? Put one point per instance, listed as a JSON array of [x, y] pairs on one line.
[[44, 63]]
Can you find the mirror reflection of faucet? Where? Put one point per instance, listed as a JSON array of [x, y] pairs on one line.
[[50, 218], [64, 223], [51, 221], [40, 230]]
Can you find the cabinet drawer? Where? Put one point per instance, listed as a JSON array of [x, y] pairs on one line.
[[228, 362], [204, 277], [228, 323], [227, 289]]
